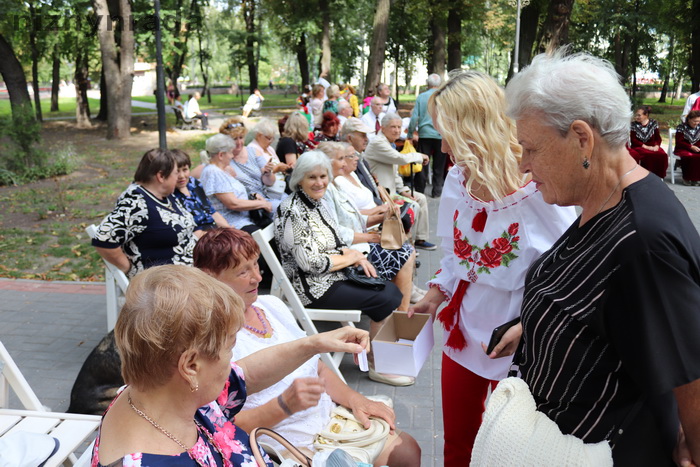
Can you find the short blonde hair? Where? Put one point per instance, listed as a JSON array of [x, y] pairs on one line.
[[470, 111], [168, 310], [296, 127], [234, 127], [333, 91]]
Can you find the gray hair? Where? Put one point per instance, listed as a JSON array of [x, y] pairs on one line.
[[265, 127], [575, 87], [389, 117], [216, 144], [332, 148], [342, 105], [434, 80], [307, 162]]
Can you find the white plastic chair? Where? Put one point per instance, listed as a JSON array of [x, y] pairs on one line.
[[71, 430], [116, 283], [305, 316], [672, 158]]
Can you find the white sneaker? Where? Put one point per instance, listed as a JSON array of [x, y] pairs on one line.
[[393, 380]]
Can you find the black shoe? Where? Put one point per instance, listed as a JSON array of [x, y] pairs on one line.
[[425, 245]]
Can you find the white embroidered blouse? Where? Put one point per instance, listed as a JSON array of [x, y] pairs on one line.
[[490, 245]]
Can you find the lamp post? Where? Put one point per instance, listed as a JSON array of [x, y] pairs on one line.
[[160, 81], [516, 55]]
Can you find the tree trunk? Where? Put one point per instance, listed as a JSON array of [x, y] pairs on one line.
[[324, 9], [377, 47], [303, 59], [81, 79], [102, 114], [13, 76], [203, 68], [248, 7], [35, 61], [180, 53], [55, 78], [556, 26], [454, 37], [118, 66], [668, 70], [529, 20], [695, 48], [436, 62]]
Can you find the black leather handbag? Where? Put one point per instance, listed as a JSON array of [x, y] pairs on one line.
[[356, 275]]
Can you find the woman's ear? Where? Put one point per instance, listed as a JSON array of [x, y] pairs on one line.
[[583, 137], [188, 367]]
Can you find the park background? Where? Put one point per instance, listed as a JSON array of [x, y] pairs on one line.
[[68, 150]]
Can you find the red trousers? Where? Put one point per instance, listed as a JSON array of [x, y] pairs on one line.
[[463, 397]]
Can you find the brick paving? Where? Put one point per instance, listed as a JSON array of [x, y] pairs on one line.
[[50, 327]]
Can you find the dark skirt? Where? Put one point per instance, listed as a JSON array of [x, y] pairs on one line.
[[655, 162], [690, 164]]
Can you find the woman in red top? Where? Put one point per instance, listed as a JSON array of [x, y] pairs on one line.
[[688, 147], [645, 143]]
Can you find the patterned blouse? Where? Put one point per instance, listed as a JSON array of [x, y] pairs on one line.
[[151, 231], [217, 434], [216, 181], [197, 204], [306, 235]]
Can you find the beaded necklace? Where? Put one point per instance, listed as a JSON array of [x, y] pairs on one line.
[[264, 332]]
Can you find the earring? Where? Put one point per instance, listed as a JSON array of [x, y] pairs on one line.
[[195, 388], [586, 164]]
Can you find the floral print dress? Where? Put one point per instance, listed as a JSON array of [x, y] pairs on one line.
[[216, 418], [487, 250]]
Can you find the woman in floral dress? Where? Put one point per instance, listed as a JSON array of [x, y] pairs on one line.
[[175, 334], [493, 224]]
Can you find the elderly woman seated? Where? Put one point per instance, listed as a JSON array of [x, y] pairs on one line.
[[295, 139], [688, 147], [264, 133], [175, 334], [227, 194], [330, 127], [299, 405], [314, 256], [191, 194], [394, 265], [148, 226]]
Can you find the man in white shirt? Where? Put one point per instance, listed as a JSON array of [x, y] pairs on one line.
[[193, 113], [690, 104], [374, 117], [254, 102], [384, 160]]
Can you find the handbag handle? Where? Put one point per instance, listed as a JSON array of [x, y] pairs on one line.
[[299, 456]]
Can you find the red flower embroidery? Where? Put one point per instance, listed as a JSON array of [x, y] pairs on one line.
[[490, 258], [515, 239], [502, 245], [513, 229], [454, 218], [462, 249], [456, 234], [479, 221]]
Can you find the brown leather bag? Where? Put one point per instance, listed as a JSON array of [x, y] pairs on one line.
[[393, 235]]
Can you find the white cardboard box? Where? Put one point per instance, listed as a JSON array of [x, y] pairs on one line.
[[397, 358]]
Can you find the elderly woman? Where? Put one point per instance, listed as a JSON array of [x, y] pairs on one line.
[[191, 194], [256, 173], [330, 126], [493, 224], [226, 194], [688, 147], [148, 226], [331, 103], [299, 405], [314, 256], [394, 265], [264, 133], [609, 314], [175, 334], [295, 139], [645, 143]]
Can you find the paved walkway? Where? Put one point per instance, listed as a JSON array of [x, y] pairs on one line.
[[51, 327]]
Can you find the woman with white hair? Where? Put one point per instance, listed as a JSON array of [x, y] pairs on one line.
[[609, 317], [493, 223], [226, 194], [264, 133], [314, 256]]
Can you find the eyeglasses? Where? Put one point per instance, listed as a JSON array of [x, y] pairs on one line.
[[234, 125], [352, 156]]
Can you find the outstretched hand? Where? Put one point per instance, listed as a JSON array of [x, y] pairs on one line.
[[346, 339]]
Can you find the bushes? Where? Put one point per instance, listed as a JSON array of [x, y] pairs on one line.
[[22, 158]]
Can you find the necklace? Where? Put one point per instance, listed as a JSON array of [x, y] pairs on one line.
[[200, 428], [616, 187], [265, 332]]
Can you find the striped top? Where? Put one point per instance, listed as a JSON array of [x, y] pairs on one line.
[[610, 318]]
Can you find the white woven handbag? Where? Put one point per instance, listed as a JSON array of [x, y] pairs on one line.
[[513, 432], [345, 432]]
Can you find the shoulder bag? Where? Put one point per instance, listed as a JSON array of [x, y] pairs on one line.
[[393, 235], [297, 456], [356, 275]]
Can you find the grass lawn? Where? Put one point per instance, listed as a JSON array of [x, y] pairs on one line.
[[66, 107]]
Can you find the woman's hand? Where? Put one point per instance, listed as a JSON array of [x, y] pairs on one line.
[[303, 393], [428, 304], [363, 408], [367, 267], [346, 339], [426, 160], [508, 344], [266, 205], [694, 148], [281, 167]]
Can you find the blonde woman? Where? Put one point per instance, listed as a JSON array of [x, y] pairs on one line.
[[295, 139], [493, 224]]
